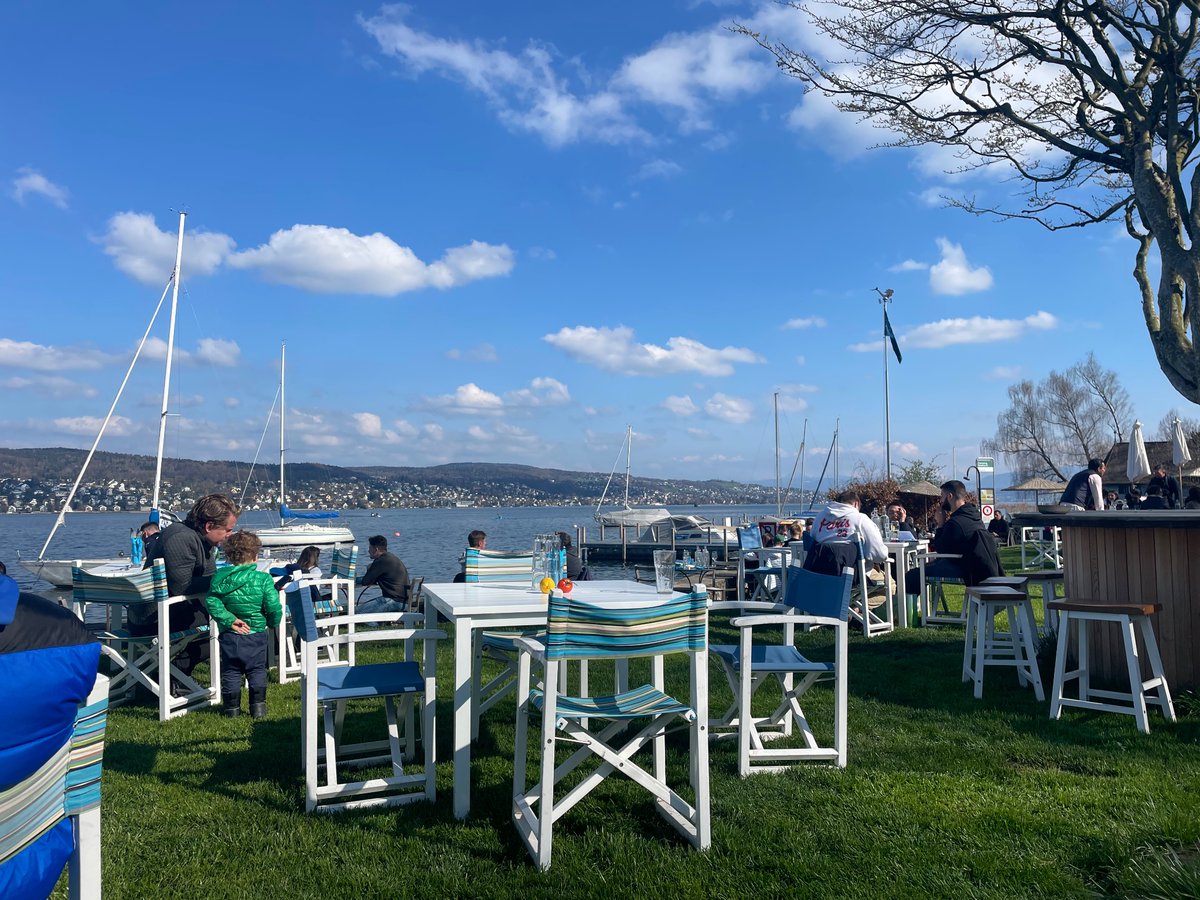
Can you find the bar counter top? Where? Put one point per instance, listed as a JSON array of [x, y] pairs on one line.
[[1117, 518]]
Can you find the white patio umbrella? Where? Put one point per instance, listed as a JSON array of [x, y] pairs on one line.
[[1138, 465], [1180, 453]]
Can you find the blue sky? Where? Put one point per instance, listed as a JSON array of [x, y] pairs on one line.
[[502, 232]]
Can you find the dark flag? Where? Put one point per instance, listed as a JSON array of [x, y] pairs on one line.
[[891, 335]]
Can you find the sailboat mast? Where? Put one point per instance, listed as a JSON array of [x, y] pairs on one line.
[[628, 451], [162, 419], [282, 412], [778, 497]]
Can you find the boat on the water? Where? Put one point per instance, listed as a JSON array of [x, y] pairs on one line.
[[58, 571], [297, 527]]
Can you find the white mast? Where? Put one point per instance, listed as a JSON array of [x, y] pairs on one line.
[[162, 419], [778, 496], [628, 451], [282, 410]]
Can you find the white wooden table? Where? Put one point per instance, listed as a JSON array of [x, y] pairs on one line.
[[473, 607], [899, 553]]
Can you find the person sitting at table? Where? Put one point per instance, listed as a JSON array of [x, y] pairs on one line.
[[1133, 497], [835, 536], [388, 572], [1193, 498], [999, 527], [962, 535], [476, 540], [1154, 498], [304, 570], [576, 570], [1167, 484], [900, 520]]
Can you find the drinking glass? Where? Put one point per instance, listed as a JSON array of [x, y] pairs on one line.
[[664, 571]]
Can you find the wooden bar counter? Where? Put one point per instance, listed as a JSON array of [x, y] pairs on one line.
[[1135, 556]]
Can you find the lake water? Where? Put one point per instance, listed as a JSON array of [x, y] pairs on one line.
[[430, 541]]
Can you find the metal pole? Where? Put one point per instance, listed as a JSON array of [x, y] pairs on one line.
[[162, 419], [778, 501], [885, 297]]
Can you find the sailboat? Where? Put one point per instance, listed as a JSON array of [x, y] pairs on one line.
[[58, 571], [302, 533]]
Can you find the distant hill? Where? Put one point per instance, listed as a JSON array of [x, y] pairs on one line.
[[58, 464]]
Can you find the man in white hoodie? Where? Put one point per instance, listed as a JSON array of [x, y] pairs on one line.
[[841, 522]]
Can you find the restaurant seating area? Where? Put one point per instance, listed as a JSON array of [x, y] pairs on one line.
[[895, 711]]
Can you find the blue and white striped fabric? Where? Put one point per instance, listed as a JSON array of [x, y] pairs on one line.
[[497, 566], [344, 562], [146, 586], [578, 630]]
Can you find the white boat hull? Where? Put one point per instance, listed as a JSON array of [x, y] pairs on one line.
[[58, 571], [303, 535]]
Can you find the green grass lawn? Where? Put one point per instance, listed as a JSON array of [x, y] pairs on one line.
[[943, 795]]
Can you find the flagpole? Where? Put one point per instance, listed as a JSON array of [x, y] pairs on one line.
[[885, 297]]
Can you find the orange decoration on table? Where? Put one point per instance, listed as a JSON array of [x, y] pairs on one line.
[[565, 585], [546, 585]]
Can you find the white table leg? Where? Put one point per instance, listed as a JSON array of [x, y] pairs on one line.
[[463, 658]]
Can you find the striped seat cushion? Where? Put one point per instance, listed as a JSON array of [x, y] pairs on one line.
[[646, 700], [326, 607], [506, 640]]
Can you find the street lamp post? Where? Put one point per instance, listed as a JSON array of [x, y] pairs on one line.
[[978, 481], [885, 297]]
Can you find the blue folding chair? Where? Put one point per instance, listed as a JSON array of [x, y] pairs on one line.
[[811, 601]]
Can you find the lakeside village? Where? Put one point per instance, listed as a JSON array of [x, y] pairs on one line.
[[33, 495]]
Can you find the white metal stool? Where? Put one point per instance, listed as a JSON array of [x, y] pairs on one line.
[[984, 646], [1134, 701]]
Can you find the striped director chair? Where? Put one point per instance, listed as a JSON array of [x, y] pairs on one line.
[[337, 598], [147, 659], [325, 690], [579, 630], [54, 708], [507, 569]]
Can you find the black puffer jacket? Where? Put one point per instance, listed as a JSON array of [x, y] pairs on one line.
[[965, 535]]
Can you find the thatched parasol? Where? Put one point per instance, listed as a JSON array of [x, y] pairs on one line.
[[1038, 485], [921, 488]]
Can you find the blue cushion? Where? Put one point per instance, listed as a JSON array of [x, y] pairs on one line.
[[378, 680], [770, 658], [32, 873]]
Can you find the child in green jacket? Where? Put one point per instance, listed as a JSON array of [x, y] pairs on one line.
[[244, 603]]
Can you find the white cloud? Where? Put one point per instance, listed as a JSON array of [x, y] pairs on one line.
[[232, 402], [735, 410], [215, 352], [875, 448], [909, 265], [146, 253], [469, 399], [118, 426], [532, 91], [791, 397], [541, 392], [800, 360], [614, 350], [685, 71], [31, 181], [47, 358], [48, 385], [954, 276], [1003, 373], [542, 253], [975, 330], [327, 260], [808, 322], [482, 352], [524, 90], [659, 168], [320, 440], [680, 406], [368, 424]]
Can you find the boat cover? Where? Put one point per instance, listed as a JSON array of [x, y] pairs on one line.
[[286, 513]]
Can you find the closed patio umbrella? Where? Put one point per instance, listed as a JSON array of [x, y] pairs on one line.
[[1180, 453], [1138, 466]]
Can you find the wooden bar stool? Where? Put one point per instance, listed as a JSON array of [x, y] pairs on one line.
[[1128, 616], [984, 646]]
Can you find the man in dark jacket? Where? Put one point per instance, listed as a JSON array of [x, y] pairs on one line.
[[389, 573], [963, 535], [1168, 487], [188, 549]]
